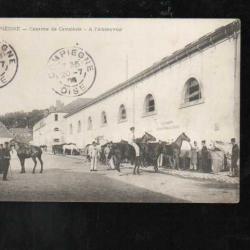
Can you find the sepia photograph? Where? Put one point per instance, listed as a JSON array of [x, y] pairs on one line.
[[120, 110]]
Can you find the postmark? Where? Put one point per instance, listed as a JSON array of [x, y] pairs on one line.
[[72, 71], [8, 63]]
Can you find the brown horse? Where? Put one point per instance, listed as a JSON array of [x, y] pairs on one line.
[[175, 148], [24, 151]]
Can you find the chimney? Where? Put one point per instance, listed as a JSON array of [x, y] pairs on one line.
[[59, 105]]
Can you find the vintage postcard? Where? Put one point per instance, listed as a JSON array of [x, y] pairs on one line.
[[120, 110]]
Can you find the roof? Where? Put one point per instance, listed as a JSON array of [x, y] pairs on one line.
[[75, 105], [4, 132], [69, 108], [209, 39]]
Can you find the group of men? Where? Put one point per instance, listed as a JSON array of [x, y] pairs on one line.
[[4, 160], [199, 159]]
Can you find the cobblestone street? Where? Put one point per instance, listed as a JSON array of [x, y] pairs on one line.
[[69, 179]]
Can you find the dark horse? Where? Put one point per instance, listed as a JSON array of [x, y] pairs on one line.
[[121, 152], [24, 151], [150, 151]]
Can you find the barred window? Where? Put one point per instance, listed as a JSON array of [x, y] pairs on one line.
[[149, 103], [79, 126], [71, 129], [192, 90], [104, 117], [122, 113], [90, 123]]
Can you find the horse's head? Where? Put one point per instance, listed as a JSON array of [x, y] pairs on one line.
[[148, 137], [185, 137]]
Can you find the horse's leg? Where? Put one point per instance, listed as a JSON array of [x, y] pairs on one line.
[[22, 160], [134, 167], [35, 162], [178, 162], [41, 162], [137, 162]]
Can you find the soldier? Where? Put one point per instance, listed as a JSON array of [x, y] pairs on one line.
[[234, 158], [93, 156], [6, 160], [160, 154], [204, 157], [194, 156]]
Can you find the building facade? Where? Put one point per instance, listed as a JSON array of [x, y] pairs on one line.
[[50, 130], [195, 90]]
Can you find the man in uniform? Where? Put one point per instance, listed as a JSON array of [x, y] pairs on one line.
[[6, 160], [234, 158], [160, 154], [93, 156], [194, 156], [204, 157]]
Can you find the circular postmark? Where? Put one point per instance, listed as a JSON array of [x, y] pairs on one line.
[[72, 71], [8, 63]]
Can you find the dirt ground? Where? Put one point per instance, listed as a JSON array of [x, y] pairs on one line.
[[69, 179]]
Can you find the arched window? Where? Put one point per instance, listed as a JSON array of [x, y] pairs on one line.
[[79, 126], [104, 117], [122, 113], [89, 122], [149, 105], [71, 129], [192, 90]]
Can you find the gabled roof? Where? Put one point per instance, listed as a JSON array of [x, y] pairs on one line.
[[75, 105], [4, 132], [209, 39]]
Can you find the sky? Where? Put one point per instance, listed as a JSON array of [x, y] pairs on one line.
[[118, 55]]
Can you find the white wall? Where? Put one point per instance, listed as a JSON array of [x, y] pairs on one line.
[[44, 133], [212, 119]]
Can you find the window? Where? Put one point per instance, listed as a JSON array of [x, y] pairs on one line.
[[89, 123], [56, 140], [79, 126], [149, 104], [56, 117], [104, 118], [192, 91], [56, 129], [122, 113], [71, 129]]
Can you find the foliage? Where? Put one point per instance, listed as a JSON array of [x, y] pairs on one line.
[[22, 119]]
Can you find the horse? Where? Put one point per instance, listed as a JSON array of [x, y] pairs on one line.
[[121, 152], [70, 147], [24, 151], [145, 138], [173, 150]]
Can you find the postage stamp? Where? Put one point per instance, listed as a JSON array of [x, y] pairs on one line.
[[72, 71], [8, 63]]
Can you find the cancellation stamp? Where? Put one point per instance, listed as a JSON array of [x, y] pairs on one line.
[[8, 63], [72, 71]]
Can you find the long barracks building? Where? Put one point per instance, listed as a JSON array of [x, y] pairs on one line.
[[195, 90]]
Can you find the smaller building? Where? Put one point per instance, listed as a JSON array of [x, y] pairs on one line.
[[50, 130]]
